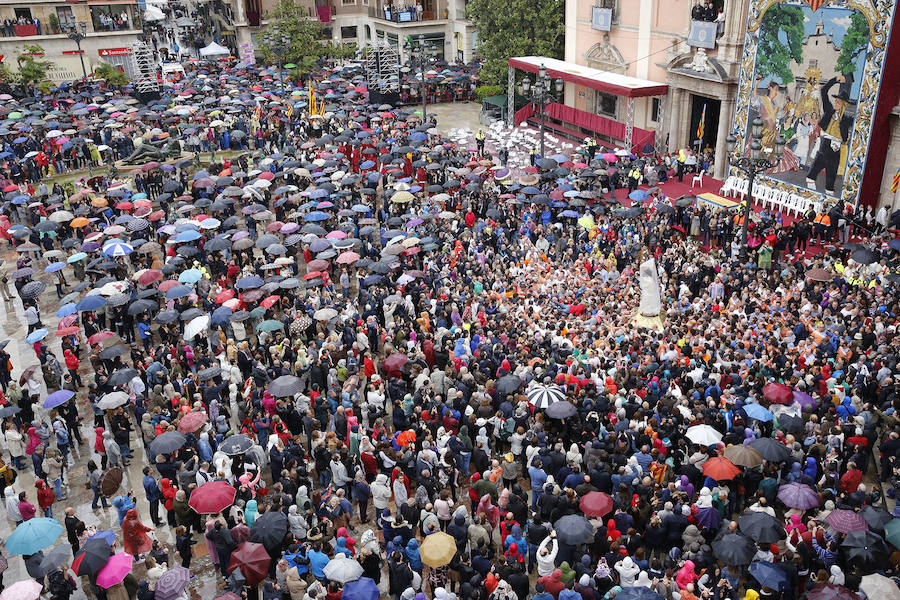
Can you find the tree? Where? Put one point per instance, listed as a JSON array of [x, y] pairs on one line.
[[32, 70], [855, 41], [111, 75], [773, 56], [305, 44], [509, 28]]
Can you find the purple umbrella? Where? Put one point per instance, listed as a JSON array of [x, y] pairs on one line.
[[172, 583], [846, 521], [798, 495], [806, 402], [709, 517]]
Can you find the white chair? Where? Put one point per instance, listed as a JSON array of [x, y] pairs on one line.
[[698, 177], [742, 186], [760, 195], [725, 191], [783, 200]]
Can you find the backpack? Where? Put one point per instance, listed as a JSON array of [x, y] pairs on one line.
[[60, 586]]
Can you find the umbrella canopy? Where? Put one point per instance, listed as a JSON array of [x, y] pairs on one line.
[[284, 386], [638, 592], [56, 557], [167, 442], [829, 591], [771, 450], [115, 570], [92, 557], [212, 497], [542, 396], [875, 517], [172, 583], [846, 521], [769, 575], [438, 549], [761, 527], [561, 410], [27, 589], [703, 435], [395, 362], [236, 444], [192, 421], [508, 384], [574, 530], [720, 469], [596, 504], [877, 585], [342, 569], [734, 549], [865, 550], [798, 495], [111, 482], [778, 393], [252, 560], [33, 535], [744, 456], [269, 529], [363, 588], [892, 533]]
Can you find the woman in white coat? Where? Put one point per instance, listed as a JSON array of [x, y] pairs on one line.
[[15, 446]]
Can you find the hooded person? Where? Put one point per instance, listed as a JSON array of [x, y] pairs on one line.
[[134, 534], [643, 580], [297, 523], [204, 449], [836, 576], [250, 512], [568, 573], [686, 575], [381, 492], [349, 542], [34, 440], [795, 523], [414, 556], [552, 583], [340, 547], [628, 571]]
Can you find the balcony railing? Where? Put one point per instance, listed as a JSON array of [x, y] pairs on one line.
[[409, 15], [28, 31]]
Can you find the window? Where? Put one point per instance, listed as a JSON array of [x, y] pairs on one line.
[[654, 110], [606, 104], [65, 16], [113, 17], [348, 2], [610, 4], [23, 14], [348, 32]]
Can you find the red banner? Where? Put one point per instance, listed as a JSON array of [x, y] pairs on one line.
[[114, 51]]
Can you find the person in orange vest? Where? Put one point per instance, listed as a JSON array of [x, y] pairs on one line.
[[822, 225]]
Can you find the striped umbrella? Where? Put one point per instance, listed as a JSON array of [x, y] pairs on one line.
[[117, 248], [542, 396]]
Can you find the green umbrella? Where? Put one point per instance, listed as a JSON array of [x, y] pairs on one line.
[[892, 532], [14, 115], [270, 325], [290, 66]]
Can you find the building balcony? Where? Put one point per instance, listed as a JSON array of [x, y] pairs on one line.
[[409, 18], [30, 32]]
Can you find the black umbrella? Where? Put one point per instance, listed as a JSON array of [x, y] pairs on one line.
[[684, 201], [864, 256], [92, 557], [209, 373], [734, 549], [139, 306], [236, 444], [8, 411], [574, 530], [791, 423], [122, 376], [167, 442], [508, 384], [876, 517], [560, 410], [55, 558], [112, 352], [269, 529], [32, 289], [167, 316], [286, 385], [761, 527], [865, 549], [770, 449]]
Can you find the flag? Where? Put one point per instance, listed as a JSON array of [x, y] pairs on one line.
[[290, 110], [702, 126], [312, 99], [896, 182], [258, 110]]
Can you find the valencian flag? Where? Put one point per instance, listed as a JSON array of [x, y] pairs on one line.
[[896, 182], [702, 126]]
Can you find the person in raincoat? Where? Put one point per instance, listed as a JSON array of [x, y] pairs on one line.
[[134, 534]]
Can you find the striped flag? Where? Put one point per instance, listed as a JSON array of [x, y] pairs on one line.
[[701, 128], [290, 110], [258, 111], [896, 182]]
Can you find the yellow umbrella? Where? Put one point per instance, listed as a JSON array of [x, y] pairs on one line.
[[437, 549], [402, 197], [587, 223]]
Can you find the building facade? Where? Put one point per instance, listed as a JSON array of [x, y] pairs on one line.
[[110, 28]]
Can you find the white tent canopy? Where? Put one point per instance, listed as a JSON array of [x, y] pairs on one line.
[[214, 49], [153, 13]]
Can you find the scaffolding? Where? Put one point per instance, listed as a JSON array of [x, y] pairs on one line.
[[145, 80], [382, 62]]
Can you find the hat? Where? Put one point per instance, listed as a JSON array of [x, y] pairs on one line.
[[509, 457], [842, 95]]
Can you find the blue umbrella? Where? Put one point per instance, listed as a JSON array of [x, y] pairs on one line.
[[104, 534], [66, 309], [188, 236], [54, 267], [91, 303], [178, 291], [316, 215], [190, 276], [363, 588], [220, 316], [58, 397], [318, 193], [249, 282], [569, 213], [117, 248], [639, 195], [758, 412], [33, 535], [769, 575], [36, 335], [530, 191], [76, 257]]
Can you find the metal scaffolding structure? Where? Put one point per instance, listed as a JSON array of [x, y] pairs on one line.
[[145, 80], [382, 62]]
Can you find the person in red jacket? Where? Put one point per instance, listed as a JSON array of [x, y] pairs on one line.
[[851, 479], [26, 508], [72, 366], [168, 494], [45, 497]]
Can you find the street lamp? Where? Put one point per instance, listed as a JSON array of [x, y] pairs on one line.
[[76, 34], [278, 42], [541, 93], [421, 52], [752, 165]]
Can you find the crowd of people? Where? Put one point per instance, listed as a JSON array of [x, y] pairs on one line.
[[361, 361]]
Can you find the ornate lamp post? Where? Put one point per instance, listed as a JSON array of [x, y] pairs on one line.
[[752, 165], [541, 93], [421, 52], [77, 33]]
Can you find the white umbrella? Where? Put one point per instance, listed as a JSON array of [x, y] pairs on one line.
[[196, 325], [879, 586], [325, 314], [541, 396], [342, 569], [113, 400], [703, 435]]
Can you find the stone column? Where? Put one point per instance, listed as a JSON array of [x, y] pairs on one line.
[[725, 108], [674, 107], [510, 96]]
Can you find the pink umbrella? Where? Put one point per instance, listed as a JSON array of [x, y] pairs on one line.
[[116, 569], [347, 257], [27, 589], [337, 234], [67, 321], [610, 157]]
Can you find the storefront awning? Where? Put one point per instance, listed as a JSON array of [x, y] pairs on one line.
[[605, 81]]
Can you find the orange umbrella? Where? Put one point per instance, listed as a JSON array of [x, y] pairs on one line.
[[720, 469], [99, 202], [78, 222]]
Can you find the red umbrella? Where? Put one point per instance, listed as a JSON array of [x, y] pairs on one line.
[[192, 421], [251, 558], [596, 504], [99, 337], [149, 276], [224, 296], [67, 331], [846, 521], [212, 497], [720, 469], [167, 285], [395, 362], [268, 302], [778, 392]]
